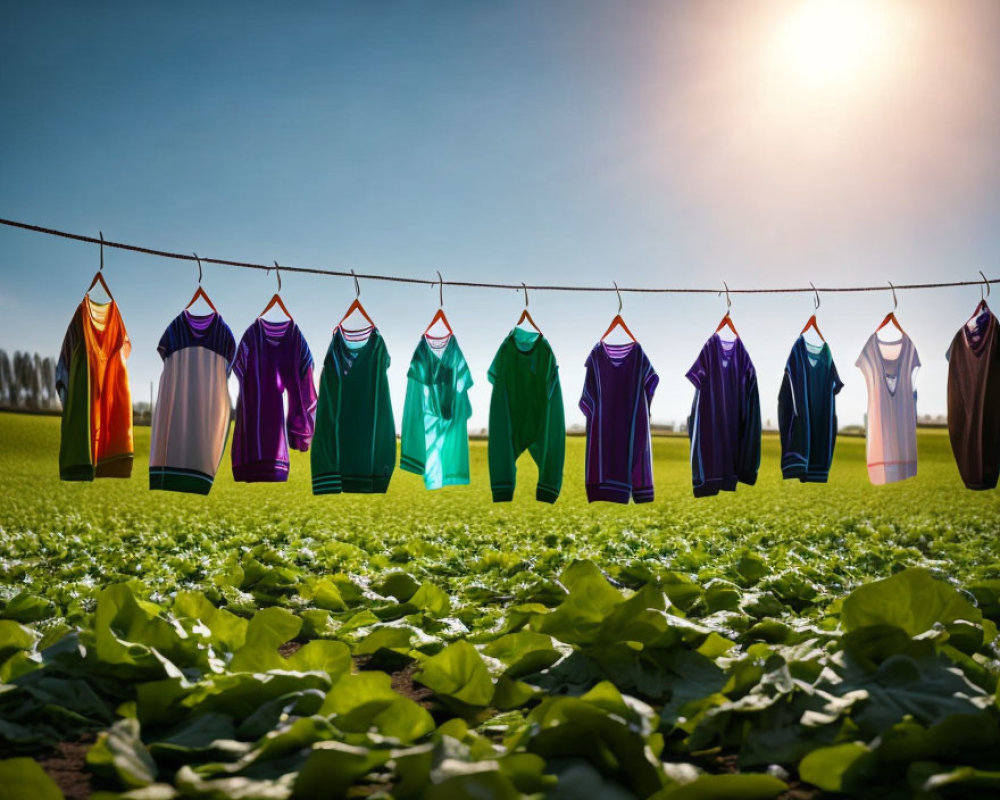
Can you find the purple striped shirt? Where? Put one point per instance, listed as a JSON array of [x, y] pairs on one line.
[[617, 391]]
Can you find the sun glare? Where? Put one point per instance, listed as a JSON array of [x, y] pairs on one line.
[[827, 44]]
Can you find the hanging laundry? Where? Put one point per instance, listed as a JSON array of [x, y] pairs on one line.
[[724, 426], [617, 390], [974, 400], [191, 416], [807, 412], [889, 369], [435, 440], [272, 359], [355, 445], [526, 413], [92, 382]]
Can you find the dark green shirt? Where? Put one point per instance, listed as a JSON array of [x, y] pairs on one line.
[[354, 448], [526, 413]]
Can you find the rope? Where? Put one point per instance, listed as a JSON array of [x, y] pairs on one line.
[[475, 284]]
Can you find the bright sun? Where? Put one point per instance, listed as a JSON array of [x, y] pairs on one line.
[[830, 44]]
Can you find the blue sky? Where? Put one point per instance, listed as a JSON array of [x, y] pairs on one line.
[[650, 143]]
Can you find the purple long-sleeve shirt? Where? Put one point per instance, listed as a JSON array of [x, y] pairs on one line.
[[617, 391], [273, 358]]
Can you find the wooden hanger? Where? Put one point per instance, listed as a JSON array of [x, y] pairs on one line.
[[891, 316], [727, 321], [355, 306], [200, 292], [439, 316], [526, 315], [812, 320], [99, 275], [618, 321], [276, 297]]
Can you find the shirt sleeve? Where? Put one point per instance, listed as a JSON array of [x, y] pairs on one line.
[[838, 384], [242, 359], [650, 381], [588, 402], [230, 350], [699, 370], [301, 399]]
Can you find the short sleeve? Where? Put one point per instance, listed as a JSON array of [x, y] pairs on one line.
[[587, 401], [699, 370], [463, 376], [416, 371], [494, 370], [230, 350], [838, 384], [242, 358], [164, 344], [650, 380]]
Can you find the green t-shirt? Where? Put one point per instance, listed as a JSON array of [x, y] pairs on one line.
[[354, 448], [526, 413], [435, 440]]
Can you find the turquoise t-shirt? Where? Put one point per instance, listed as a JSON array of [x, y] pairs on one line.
[[435, 440]]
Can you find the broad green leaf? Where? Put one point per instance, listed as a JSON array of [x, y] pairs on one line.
[[523, 652], [579, 617], [473, 781], [324, 594], [912, 600], [226, 628], [325, 656], [333, 766], [24, 778], [578, 779], [193, 735], [393, 637], [972, 782], [751, 566], [192, 785], [126, 628], [398, 585], [458, 671], [367, 700], [268, 629], [613, 733], [745, 786], [120, 752], [26, 607], [432, 599], [14, 637], [838, 768]]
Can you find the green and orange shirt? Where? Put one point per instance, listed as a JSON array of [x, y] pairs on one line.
[[93, 386]]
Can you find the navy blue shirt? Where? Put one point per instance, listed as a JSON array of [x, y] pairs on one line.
[[807, 412]]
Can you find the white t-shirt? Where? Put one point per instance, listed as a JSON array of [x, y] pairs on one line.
[[889, 369]]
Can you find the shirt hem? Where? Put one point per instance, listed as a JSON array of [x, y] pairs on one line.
[[178, 479], [261, 472]]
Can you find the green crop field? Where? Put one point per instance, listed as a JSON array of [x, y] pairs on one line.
[[787, 640]]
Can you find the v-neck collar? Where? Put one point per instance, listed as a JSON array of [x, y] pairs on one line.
[[897, 360], [437, 358], [625, 351], [349, 355], [726, 350], [814, 358]]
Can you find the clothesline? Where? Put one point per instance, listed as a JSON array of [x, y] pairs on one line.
[[478, 284]]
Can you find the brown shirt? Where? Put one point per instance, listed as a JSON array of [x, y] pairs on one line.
[[974, 401]]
